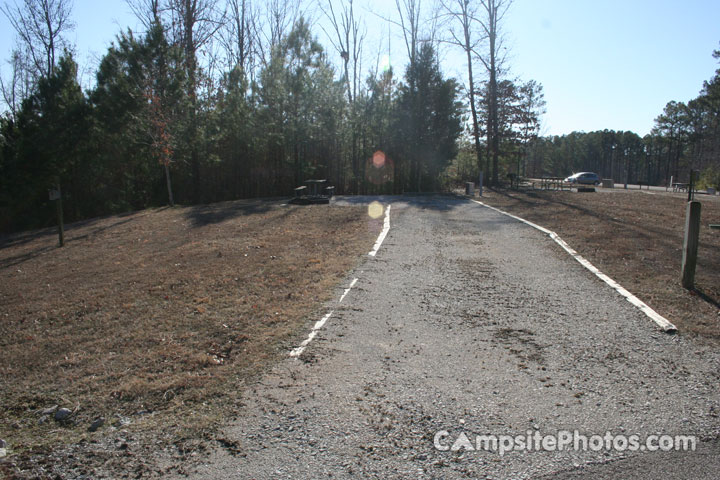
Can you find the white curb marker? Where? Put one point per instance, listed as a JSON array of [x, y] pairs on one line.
[[662, 322], [319, 324], [383, 234], [296, 352], [347, 290]]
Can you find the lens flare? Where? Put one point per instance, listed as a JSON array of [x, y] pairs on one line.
[[379, 168], [378, 159], [375, 210]]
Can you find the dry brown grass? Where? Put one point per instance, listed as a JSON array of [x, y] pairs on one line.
[[636, 238], [164, 312]]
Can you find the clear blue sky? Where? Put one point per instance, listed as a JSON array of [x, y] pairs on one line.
[[603, 64], [613, 63]]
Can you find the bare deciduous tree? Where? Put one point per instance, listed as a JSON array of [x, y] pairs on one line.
[[409, 13], [149, 12], [492, 15], [40, 25], [280, 16], [347, 40], [462, 16], [239, 45], [20, 84]]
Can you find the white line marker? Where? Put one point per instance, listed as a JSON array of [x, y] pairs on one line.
[[296, 352], [662, 322], [318, 325], [383, 234], [347, 290]]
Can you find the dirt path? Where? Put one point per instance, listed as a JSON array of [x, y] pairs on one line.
[[469, 322]]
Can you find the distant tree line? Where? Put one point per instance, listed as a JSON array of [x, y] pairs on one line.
[[686, 137]]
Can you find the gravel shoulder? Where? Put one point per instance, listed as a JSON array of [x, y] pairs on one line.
[[470, 322]]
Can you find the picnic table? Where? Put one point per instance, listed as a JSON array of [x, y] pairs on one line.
[[314, 191], [315, 186], [680, 187], [553, 183]]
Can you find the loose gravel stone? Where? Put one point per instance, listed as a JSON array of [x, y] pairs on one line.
[[49, 410], [62, 414], [97, 423]]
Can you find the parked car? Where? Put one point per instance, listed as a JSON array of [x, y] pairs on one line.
[[584, 178]]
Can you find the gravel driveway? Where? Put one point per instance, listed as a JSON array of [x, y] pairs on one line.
[[471, 323]]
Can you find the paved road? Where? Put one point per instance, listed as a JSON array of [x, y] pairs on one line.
[[471, 323]]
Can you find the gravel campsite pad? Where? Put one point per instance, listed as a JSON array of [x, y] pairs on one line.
[[469, 322]]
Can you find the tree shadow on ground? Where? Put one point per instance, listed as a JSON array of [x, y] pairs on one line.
[[203, 215], [19, 259], [583, 210], [21, 238], [71, 230]]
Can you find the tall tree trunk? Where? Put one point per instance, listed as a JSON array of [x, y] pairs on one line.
[[191, 62], [171, 201], [471, 81], [495, 141]]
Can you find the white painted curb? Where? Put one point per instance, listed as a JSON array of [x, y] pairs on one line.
[[661, 321], [296, 352], [383, 234]]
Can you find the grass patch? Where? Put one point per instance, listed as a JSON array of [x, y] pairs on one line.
[[160, 317]]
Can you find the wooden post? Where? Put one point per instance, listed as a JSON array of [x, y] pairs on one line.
[[690, 244], [627, 169], [480, 183], [59, 208]]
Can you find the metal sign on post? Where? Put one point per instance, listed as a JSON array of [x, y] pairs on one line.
[[54, 194]]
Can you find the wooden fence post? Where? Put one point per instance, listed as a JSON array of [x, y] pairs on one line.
[[690, 244]]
